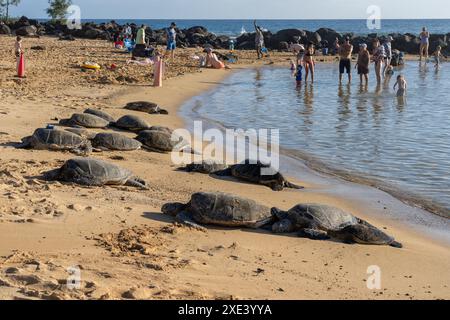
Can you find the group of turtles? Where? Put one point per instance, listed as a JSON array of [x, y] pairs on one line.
[[220, 209]]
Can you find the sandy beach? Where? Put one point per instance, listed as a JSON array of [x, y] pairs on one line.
[[117, 236]]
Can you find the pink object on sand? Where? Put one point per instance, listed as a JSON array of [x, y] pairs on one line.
[[158, 72], [215, 62]]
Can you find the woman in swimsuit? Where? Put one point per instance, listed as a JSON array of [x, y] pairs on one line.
[[424, 43], [309, 61], [378, 57]]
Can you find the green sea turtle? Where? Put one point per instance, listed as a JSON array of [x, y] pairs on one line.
[[252, 171], [93, 172], [162, 141], [321, 222], [115, 141], [219, 209], [57, 140], [206, 166], [131, 123], [100, 114], [85, 120], [147, 107]]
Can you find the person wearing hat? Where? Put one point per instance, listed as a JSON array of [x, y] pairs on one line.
[[171, 40], [388, 52], [345, 59], [363, 63]]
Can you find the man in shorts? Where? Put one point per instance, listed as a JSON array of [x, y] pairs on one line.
[[345, 59], [171, 40]]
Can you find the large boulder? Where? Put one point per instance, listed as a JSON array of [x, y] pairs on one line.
[[407, 43], [329, 35], [27, 31]]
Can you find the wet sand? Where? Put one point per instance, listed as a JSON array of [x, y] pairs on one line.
[[125, 248]]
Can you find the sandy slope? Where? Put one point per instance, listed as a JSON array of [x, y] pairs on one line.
[[126, 249]]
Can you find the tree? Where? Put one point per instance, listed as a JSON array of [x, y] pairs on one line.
[[58, 9], [6, 4]]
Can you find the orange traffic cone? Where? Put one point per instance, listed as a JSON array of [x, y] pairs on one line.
[[21, 67], [158, 72]]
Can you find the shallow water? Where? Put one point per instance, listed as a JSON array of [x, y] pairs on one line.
[[364, 132]]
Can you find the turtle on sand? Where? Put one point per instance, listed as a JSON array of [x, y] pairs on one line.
[[252, 171], [162, 141], [56, 140], [100, 114], [320, 222], [115, 141], [93, 172], [85, 120], [206, 167], [219, 209], [147, 107], [131, 123]]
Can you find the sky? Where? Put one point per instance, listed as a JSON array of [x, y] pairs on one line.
[[245, 9]]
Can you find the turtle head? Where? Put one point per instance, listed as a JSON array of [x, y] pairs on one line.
[[173, 209], [367, 234], [279, 214]]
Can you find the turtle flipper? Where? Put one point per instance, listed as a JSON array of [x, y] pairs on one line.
[[185, 219], [313, 234], [396, 244], [138, 183], [290, 185], [283, 226]]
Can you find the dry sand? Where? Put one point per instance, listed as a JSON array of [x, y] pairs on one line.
[[123, 246]]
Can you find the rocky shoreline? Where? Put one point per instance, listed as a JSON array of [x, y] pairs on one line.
[[199, 36]]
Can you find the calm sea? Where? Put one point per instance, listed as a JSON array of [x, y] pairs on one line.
[[403, 146], [236, 27]]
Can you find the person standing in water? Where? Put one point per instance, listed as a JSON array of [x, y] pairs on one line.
[[259, 40], [388, 51], [437, 57], [309, 62], [402, 86], [378, 58], [363, 63], [424, 44], [171, 40], [345, 60]]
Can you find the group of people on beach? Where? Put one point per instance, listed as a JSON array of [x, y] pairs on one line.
[[381, 56]]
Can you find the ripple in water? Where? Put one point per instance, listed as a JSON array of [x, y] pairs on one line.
[[363, 132]]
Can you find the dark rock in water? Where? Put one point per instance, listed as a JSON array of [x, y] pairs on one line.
[[4, 29], [27, 31]]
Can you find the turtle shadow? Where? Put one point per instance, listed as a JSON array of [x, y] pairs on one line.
[[158, 216], [235, 180]]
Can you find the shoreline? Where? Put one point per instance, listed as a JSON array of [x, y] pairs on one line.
[[358, 182], [99, 228]]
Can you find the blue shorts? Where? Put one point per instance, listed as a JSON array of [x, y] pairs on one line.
[[171, 45]]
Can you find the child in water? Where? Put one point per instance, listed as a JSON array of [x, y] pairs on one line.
[[402, 86], [437, 57], [299, 74]]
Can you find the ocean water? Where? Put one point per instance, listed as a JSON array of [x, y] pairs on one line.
[[236, 27], [401, 146]]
